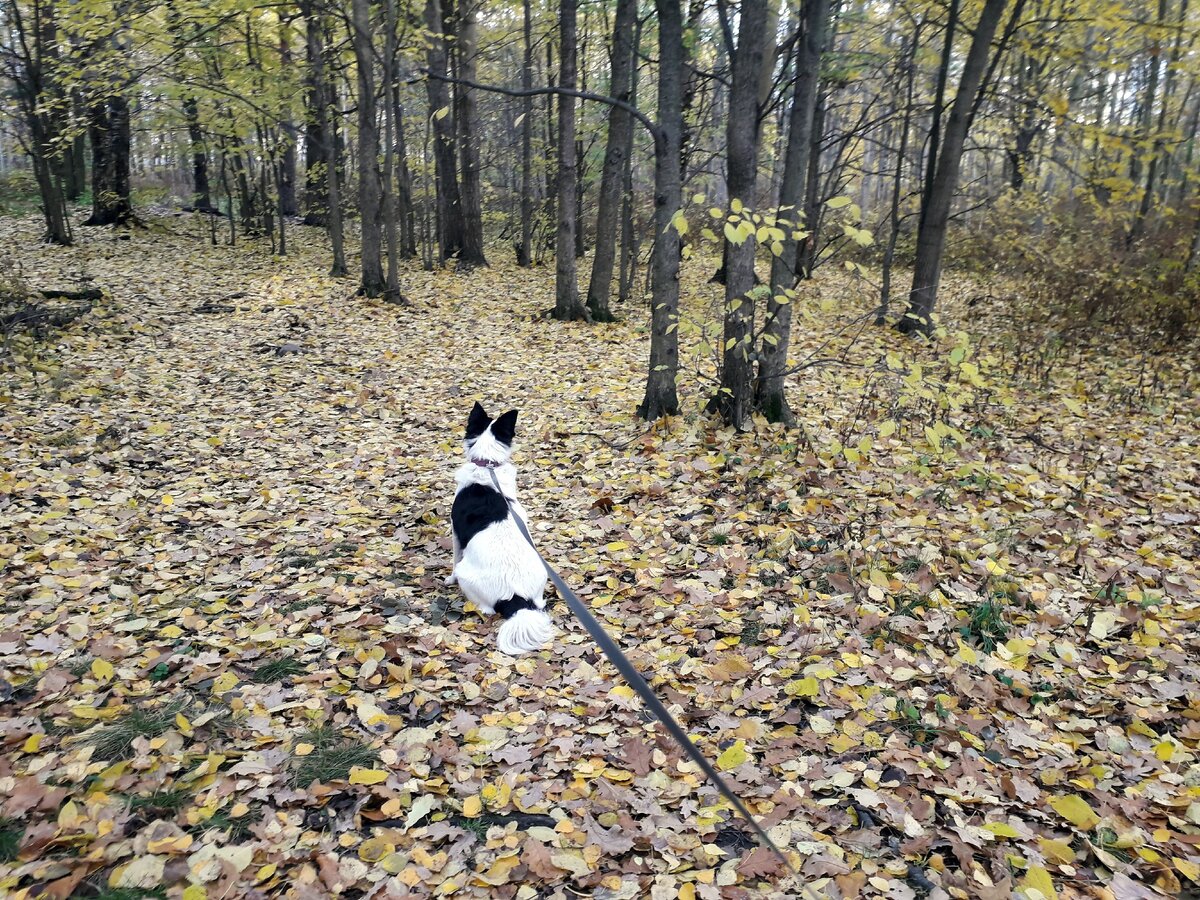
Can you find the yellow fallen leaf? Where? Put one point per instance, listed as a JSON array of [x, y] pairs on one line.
[[33, 742], [303, 749], [1058, 852], [802, 687], [472, 807], [195, 892], [733, 757], [1001, 829], [226, 682], [359, 775], [102, 670], [1039, 880], [1075, 810], [623, 691], [1187, 868]]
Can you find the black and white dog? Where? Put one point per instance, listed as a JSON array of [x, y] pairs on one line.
[[494, 566]]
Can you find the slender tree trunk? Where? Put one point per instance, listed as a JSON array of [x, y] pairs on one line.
[[468, 124], [370, 185], [734, 399], [567, 305], [889, 253], [449, 202], [628, 232], [37, 94], [939, 101], [620, 129], [389, 155], [931, 236], [287, 169], [1143, 136], [661, 397], [76, 163], [525, 247], [772, 367], [317, 140], [404, 196], [806, 256], [108, 130], [201, 192]]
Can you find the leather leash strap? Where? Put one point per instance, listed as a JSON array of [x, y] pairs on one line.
[[638, 683]]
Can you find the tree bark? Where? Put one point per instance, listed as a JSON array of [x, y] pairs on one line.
[[449, 201], [734, 398], [468, 124], [317, 139], [620, 128], [108, 130], [370, 185], [931, 235], [567, 306], [772, 367], [201, 192], [661, 397], [525, 247]]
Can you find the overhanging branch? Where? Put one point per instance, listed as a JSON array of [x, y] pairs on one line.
[[647, 122]]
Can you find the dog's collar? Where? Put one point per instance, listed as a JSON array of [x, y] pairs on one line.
[[487, 463]]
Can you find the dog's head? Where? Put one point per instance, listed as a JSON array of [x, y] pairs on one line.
[[488, 439]]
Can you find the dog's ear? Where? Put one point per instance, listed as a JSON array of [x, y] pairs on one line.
[[505, 427], [477, 422]]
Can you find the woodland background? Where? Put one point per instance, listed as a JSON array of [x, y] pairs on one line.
[[855, 344]]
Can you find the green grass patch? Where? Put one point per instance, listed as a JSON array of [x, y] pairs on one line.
[[332, 758], [116, 740], [161, 801], [277, 670], [11, 832], [985, 625]]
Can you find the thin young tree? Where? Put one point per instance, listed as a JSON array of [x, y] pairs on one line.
[[449, 201], [734, 399], [525, 247], [620, 128], [661, 397], [772, 367], [567, 305], [468, 133], [931, 234], [370, 182]]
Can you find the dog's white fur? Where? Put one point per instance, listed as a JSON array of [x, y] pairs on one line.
[[499, 563]]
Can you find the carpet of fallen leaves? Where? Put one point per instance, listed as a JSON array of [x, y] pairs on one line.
[[943, 638]]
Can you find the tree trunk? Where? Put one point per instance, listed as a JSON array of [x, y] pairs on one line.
[[388, 181], [76, 163], [661, 398], [939, 101], [735, 398], [370, 185], [525, 248], [772, 367], [620, 129], [931, 235], [567, 306], [468, 124], [201, 192], [108, 129], [449, 202], [889, 253], [317, 140], [404, 195], [628, 233]]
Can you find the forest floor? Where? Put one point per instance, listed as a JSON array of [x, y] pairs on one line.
[[944, 639]]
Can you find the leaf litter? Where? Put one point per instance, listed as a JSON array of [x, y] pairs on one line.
[[942, 638]]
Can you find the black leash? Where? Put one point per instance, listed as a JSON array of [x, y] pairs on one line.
[[638, 683]]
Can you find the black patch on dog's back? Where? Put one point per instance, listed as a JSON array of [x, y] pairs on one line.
[[475, 508]]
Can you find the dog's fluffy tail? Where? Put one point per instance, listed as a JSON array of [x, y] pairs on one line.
[[524, 631]]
